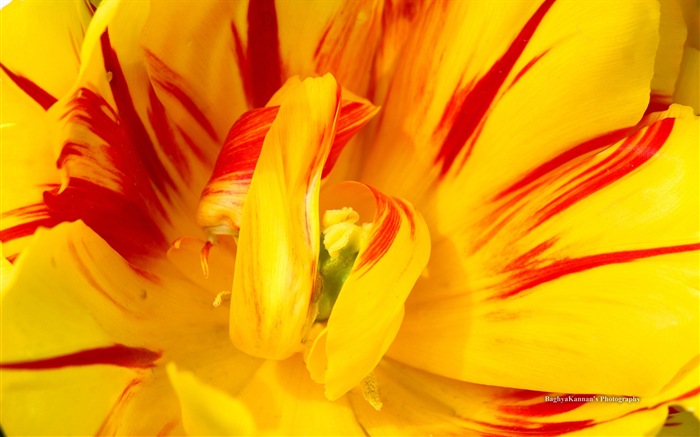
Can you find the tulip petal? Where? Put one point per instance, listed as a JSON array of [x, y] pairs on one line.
[[42, 59], [34, 74], [207, 410], [568, 275], [279, 239], [97, 309], [285, 401], [128, 171], [369, 309], [672, 33], [67, 401], [419, 403], [221, 204], [474, 95]]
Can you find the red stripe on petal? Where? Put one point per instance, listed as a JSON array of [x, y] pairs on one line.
[[165, 135], [263, 50], [34, 91], [123, 224], [466, 111], [658, 102], [90, 7], [582, 149], [142, 147], [528, 279], [261, 63], [634, 152], [544, 408], [527, 67], [116, 355], [384, 230], [518, 428], [352, 117], [32, 216], [169, 81]]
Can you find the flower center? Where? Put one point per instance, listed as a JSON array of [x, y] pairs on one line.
[[342, 240]]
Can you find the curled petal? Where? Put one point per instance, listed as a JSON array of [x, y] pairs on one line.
[[278, 244], [369, 309], [221, 203]]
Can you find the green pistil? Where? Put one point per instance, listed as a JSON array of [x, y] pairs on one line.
[[341, 241], [333, 273]]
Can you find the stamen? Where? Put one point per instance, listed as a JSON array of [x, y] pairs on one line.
[[370, 391], [218, 300], [204, 259]]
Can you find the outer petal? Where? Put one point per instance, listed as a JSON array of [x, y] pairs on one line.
[[43, 58], [589, 265], [99, 312], [418, 403], [474, 104], [285, 401], [279, 239], [207, 410], [38, 67], [235, 55], [369, 309], [128, 171], [221, 205]]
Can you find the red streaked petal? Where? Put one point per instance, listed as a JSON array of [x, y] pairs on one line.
[[278, 245], [458, 115], [420, 403], [370, 306], [222, 199], [592, 255]]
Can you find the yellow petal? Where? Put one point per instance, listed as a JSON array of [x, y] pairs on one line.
[[419, 403], [680, 423], [279, 238], [476, 95], [285, 401], [39, 63], [369, 309], [687, 92], [96, 308], [42, 58], [127, 171], [672, 33], [73, 400], [591, 267], [207, 410]]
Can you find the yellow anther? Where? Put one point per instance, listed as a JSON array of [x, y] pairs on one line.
[[340, 231], [343, 215], [370, 391], [219, 299]]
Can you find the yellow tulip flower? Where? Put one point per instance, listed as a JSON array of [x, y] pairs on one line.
[[412, 217]]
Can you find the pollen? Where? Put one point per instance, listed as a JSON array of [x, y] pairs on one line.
[[340, 231], [370, 391]]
